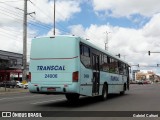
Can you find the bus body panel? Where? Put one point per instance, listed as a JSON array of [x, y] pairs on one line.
[[58, 47], [85, 81], [52, 67], [114, 81], [42, 88], [54, 60], [53, 70]]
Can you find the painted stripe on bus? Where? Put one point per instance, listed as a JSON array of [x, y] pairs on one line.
[[88, 84], [100, 84], [51, 58]]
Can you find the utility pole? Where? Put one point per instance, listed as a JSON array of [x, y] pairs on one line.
[[106, 42], [54, 29], [24, 41]]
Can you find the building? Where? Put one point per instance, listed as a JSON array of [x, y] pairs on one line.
[[10, 65], [147, 75], [134, 74], [156, 78]]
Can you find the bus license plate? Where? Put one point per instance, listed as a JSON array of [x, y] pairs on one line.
[[51, 89]]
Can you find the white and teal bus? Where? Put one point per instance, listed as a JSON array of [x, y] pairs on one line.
[[73, 66]]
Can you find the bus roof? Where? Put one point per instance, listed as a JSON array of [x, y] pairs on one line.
[[87, 43]]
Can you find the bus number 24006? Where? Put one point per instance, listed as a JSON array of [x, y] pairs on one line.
[[51, 76]]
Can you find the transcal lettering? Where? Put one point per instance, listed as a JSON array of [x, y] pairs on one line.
[[41, 68], [114, 78]]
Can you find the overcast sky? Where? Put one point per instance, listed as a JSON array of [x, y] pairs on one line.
[[132, 25]]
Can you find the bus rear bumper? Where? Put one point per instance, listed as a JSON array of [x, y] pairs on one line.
[[51, 89]]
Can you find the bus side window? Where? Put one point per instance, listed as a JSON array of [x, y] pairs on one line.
[[113, 66], [101, 62], [121, 70], [81, 49], [93, 64], [86, 51], [116, 67], [125, 69], [85, 56], [105, 65]]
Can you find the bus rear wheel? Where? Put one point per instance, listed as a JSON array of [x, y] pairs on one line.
[[72, 97], [104, 92]]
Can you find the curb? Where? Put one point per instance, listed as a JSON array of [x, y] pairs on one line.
[[14, 90]]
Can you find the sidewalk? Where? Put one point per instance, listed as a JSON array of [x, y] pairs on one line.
[[12, 90]]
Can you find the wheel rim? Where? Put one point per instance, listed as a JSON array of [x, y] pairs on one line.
[[105, 94]]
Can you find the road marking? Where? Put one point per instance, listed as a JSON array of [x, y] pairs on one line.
[[49, 101], [18, 97]]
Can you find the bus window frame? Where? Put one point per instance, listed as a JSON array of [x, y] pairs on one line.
[[82, 46], [101, 59]]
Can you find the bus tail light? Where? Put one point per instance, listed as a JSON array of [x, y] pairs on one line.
[[75, 76], [29, 77]]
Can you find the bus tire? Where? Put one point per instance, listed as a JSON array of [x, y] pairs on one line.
[[72, 97], [104, 92]]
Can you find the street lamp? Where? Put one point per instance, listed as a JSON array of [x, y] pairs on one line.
[[135, 65], [119, 55], [149, 52]]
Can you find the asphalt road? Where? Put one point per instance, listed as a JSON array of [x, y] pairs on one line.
[[138, 98]]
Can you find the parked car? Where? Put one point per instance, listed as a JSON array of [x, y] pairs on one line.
[[8, 84], [133, 82], [137, 81], [13, 83], [140, 82], [145, 82], [25, 86], [19, 84], [3, 84]]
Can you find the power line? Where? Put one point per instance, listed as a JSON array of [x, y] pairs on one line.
[[42, 26], [8, 32], [8, 13], [39, 25], [9, 5], [8, 36], [47, 15], [12, 1]]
